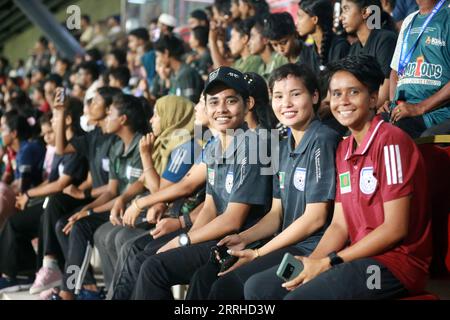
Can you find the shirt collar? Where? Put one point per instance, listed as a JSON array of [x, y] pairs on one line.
[[367, 141], [307, 137], [237, 140], [133, 145]]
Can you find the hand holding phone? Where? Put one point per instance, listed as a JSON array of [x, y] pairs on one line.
[[60, 97], [289, 268]]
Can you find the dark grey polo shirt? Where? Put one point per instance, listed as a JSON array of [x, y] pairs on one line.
[[233, 177], [126, 167], [96, 146], [307, 175]]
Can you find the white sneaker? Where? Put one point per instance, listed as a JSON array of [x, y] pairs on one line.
[[46, 278]]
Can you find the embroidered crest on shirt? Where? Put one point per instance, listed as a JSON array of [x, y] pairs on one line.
[[229, 182], [299, 178], [344, 182], [211, 175], [367, 182]]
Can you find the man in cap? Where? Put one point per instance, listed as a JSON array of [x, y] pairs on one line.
[[237, 194], [166, 24]]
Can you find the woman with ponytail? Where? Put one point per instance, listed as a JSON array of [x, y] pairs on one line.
[[315, 18]]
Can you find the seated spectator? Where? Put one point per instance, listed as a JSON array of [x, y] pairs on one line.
[[281, 32], [49, 138], [198, 18], [166, 24], [184, 80], [258, 44], [315, 18], [114, 28], [16, 134], [100, 40], [15, 239], [238, 44], [78, 91], [260, 115], [379, 212], [116, 58], [421, 82], [119, 78], [301, 205], [200, 57], [62, 68], [252, 8], [87, 30], [378, 43], [50, 84], [87, 76]]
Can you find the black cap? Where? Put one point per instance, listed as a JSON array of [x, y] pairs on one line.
[[229, 77]]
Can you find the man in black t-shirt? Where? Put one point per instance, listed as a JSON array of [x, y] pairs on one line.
[[356, 18]]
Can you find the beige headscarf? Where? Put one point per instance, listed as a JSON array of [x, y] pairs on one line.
[[177, 127]]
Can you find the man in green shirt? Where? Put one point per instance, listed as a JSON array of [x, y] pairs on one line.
[[259, 45], [184, 80], [238, 44]]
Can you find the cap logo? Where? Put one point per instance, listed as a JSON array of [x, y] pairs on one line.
[[231, 74], [213, 75]]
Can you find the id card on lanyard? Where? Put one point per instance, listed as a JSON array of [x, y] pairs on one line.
[[405, 56]]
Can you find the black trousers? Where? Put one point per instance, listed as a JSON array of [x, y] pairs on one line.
[[16, 251], [58, 206], [342, 282], [177, 266], [76, 243], [206, 285], [133, 257]]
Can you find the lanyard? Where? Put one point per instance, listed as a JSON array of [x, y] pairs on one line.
[[405, 57]]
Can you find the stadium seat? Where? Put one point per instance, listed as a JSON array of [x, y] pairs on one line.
[[437, 161]]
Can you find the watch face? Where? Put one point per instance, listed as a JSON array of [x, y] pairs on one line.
[[183, 240]]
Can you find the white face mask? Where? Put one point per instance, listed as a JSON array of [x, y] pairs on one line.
[[84, 124]]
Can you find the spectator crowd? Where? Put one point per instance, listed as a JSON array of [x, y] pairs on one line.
[[148, 147]]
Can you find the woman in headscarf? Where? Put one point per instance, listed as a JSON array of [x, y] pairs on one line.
[[167, 154]]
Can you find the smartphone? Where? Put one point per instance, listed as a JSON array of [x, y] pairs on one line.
[[289, 267], [62, 95]]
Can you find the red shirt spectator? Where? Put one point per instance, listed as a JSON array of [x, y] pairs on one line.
[[387, 166]]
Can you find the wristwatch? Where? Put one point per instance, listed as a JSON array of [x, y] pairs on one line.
[[184, 240], [335, 259], [90, 212]]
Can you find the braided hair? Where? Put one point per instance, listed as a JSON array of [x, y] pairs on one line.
[[323, 9]]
